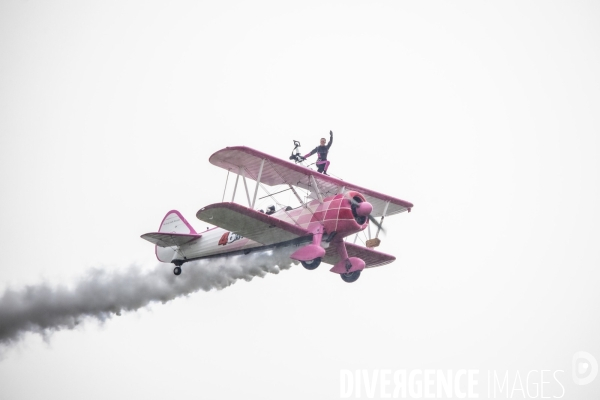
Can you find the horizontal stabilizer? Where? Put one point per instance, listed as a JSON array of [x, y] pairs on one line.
[[372, 258], [162, 239]]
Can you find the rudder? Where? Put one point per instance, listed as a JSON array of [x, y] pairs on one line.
[[173, 222]]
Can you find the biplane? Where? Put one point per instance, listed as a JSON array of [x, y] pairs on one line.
[[314, 232]]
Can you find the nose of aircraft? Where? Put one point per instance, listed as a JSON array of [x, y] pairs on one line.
[[364, 209]]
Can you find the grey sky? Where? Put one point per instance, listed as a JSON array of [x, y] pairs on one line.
[[483, 114]]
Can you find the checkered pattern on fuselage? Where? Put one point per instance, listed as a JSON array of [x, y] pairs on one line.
[[335, 214]]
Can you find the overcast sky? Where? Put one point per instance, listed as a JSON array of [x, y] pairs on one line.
[[485, 115]]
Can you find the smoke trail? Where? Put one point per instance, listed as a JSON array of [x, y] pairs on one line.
[[99, 294]]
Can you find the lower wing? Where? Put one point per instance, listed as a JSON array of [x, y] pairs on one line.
[[372, 258]]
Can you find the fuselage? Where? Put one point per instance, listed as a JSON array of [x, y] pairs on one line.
[[332, 216]]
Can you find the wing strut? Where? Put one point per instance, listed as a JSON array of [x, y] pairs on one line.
[[296, 194], [245, 185], [314, 183], [225, 189], [262, 164], [236, 183], [387, 203]]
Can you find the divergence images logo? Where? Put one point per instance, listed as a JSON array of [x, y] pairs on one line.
[[585, 368]]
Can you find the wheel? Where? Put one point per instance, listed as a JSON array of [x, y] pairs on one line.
[[312, 264], [350, 276], [177, 270]]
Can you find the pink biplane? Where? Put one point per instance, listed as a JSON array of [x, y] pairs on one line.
[[313, 232]]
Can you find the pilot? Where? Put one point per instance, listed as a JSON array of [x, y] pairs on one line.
[[270, 210], [322, 150]]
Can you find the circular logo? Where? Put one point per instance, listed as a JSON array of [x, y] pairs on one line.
[[585, 368]]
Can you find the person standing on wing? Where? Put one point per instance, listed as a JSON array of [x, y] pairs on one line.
[[322, 150]]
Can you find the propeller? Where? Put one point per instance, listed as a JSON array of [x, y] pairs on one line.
[[361, 210]]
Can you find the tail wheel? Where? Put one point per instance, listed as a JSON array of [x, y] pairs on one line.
[[312, 264], [350, 276], [177, 270]]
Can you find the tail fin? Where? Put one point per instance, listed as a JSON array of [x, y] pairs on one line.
[[173, 222]]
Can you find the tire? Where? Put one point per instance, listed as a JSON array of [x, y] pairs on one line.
[[312, 264], [177, 270], [351, 276]]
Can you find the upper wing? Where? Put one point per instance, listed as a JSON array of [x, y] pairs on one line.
[[276, 171], [162, 239], [249, 223], [371, 257]]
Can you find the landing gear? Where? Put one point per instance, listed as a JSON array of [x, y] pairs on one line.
[[311, 264], [350, 276], [177, 270]]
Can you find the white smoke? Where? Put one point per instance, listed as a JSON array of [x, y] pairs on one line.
[[99, 294]]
